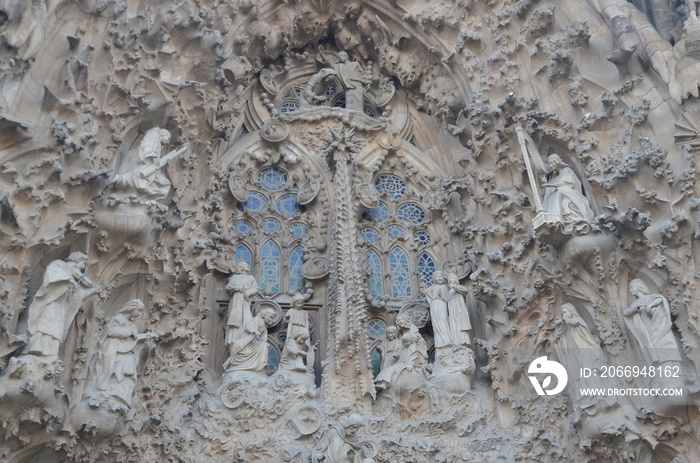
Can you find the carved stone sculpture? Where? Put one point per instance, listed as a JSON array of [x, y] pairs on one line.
[[249, 352], [391, 348], [242, 288], [352, 77], [115, 368], [340, 445], [55, 305], [297, 359], [437, 295], [458, 314], [141, 178], [412, 354], [315, 90], [649, 320], [563, 198]]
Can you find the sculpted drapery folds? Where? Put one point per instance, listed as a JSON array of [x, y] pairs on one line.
[[249, 352], [242, 288], [115, 368], [437, 295], [563, 197], [56, 303], [649, 320]]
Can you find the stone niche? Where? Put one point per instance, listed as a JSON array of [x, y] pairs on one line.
[[349, 232]]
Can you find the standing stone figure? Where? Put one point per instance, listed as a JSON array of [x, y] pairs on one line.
[[458, 314], [649, 320], [563, 198], [55, 305], [391, 347], [250, 351], [340, 445], [141, 177], [242, 288], [437, 296], [115, 369], [297, 354], [353, 78]]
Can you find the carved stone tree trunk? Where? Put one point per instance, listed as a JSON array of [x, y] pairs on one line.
[[347, 375]]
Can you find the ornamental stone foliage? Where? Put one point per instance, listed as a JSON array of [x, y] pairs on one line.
[[349, 231]]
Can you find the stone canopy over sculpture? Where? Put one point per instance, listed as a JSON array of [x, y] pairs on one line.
[[377, 171]]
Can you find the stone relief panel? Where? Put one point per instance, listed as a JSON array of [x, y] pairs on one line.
[[347, 231]]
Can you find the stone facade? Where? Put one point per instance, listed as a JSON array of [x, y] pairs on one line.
[[351, 232]]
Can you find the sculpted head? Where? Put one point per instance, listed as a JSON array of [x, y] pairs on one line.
[[638, 288], [438, 278], [298, 301], [78, 260], [402, 321], [342, 56], [164, 136], [453, 279], [267, 314], [243, 268], [392, 332], [555, 162], [353, 424], [132, 309], [568, 310]]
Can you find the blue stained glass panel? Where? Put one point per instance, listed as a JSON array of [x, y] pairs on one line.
[[400, 274], [270, 268], [378, 214], [391, 185], [426, 268], [287, 206], [396, 231], [374, 282], [411, 213], [256, 203], [423, 238], [288, 107], [369, 111], [273, 359], [270, 225], [273, 179], [370, 235], [243, 254], [242, 228], [296, 280], [376, 358], [376, 327], [299, 231], [332, 90]]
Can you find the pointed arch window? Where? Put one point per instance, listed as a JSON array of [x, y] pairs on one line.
[[243, 254], [374, 282], [270, 268], [400, 274], [296, 280], [426, 268]]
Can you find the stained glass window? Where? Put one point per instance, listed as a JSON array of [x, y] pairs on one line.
[[256, 203], [332, 90], [270, 268], [391, 185], [400, 274], [273, 359], [423, 238], [299, 231], [378, 214], [269, 225], [395, 231], [243, 254], [376, 327], [376, 358], [287, 206], [288, 107], [413, 141], [272, 179], [242, 228], [370, 235], [369, 111], [374, 282], [411, 213], [426, 268], [296, 280]]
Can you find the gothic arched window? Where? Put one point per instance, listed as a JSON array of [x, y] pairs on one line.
[[243, 254], [399, 270], [374, 282], [426, 268], [270, 261], [296, 280]]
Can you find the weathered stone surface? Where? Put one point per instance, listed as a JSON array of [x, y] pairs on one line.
[[348, 231]]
